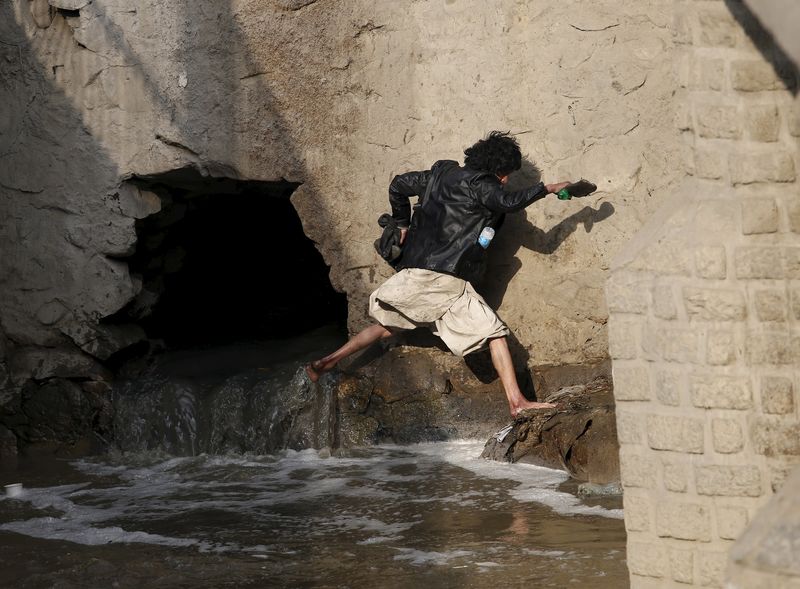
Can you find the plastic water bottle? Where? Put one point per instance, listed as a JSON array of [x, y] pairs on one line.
[[485, 238]]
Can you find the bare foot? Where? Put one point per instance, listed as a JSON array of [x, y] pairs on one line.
[[515, 411], [313, 375], [317, 368]]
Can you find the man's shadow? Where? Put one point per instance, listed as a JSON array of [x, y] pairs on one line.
[[517, 232]]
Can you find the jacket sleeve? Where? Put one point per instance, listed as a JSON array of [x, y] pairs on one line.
[[493, 197], [402, 188]]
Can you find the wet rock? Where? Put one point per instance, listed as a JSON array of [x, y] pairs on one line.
[[580, 436], [357, 430], [405, 373], [414, 394], [99, 395], [4, 377], [404, 395], [58, 410], [261, 411], [311, 422], [353, 393], [101, 341], [599, 490], [354, 427], [160, 413], [8, 444], [4, 353], [411, 394], [44, 363]]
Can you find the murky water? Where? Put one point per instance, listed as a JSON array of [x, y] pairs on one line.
[[429, 515]]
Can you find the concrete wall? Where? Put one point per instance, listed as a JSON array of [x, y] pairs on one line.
[[704, 307], [339, 97]]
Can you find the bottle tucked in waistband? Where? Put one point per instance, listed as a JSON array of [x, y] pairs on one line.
[[485, 238]]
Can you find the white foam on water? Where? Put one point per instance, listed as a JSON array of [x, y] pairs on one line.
[[421, 557], [546, 553], [180, 485], [76, 523], [376, 540], [271, 484], [536, 483], [162, 489], [369, 524], [51, 528]]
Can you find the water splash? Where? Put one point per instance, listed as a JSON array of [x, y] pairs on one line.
[[259, 411]]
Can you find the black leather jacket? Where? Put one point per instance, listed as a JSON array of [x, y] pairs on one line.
[[443, 232]]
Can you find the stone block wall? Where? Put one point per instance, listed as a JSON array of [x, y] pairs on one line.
[[704, 323]]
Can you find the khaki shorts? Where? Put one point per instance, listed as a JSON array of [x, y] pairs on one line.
[[449, 306]]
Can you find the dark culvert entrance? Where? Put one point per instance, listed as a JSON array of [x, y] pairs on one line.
[[226, 261]]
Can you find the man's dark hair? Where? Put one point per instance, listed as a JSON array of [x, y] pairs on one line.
[[498, 154]]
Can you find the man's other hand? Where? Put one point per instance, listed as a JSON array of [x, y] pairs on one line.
[[403, 235]]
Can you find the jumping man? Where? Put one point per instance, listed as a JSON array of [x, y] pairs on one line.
[[441, 256]]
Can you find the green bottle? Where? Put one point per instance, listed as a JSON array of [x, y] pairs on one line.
[[563, 194]]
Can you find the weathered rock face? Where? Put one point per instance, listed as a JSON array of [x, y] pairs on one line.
[[413, 394], [407, 394], [336, 98], [580, 436], [8, 445]]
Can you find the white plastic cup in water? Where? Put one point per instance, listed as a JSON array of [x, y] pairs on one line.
[[14, 490]]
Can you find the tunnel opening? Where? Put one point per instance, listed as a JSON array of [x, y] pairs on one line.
[[226, 261]]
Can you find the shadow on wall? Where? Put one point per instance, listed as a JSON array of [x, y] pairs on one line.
[[517, 232], [784, 66], [49, 238]]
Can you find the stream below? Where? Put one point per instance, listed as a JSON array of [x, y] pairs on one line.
[[426, 515]]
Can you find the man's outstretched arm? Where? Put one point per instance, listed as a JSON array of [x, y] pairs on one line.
[[494, 198]]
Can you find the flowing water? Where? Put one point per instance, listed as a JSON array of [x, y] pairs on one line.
[[202, 496], [428, 515]]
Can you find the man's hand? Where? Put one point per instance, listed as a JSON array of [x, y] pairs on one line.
[[554, 188], [403, 235]]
